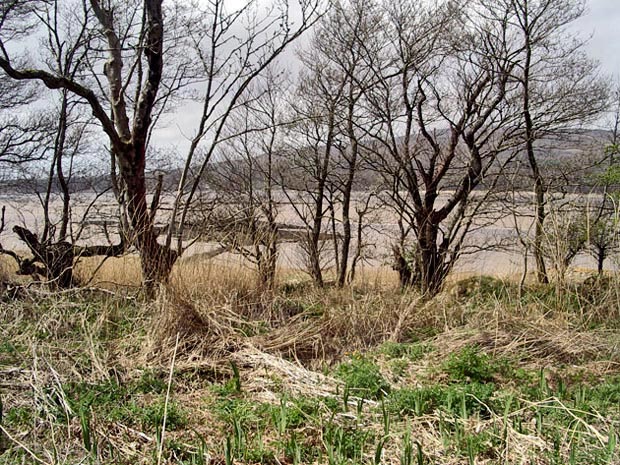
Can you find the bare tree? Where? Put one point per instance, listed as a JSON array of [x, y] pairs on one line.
[[602, 218], [54, 249], [246, 218], [127, 101], [230, 62], [343, 43], [560, 87], [312, 137], [325, 135], [445, 103]]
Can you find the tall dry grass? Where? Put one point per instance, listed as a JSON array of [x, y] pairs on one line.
[[212, 313]]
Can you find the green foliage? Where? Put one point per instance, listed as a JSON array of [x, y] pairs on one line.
[[187, 454], [398, 366], [9, 353], [18, 417], [470, 365], [462, 400], [151, 382], [235, 409], [363, 378], [298, 411], [99, 397], [149, 416], [416, 402], [116, 402], [344, 444]]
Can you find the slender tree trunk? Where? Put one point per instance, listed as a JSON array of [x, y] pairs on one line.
[[315, 261], [346, 201], [539, 185], [64, 187], [600, 261], [539, 232], [315, 234]]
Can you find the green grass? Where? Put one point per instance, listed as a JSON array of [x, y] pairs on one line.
[[95, 399], [411, 351]]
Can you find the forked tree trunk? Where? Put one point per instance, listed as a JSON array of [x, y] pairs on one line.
[[156, 260]]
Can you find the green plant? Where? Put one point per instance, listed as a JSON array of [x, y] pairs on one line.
[[417, 402], [462, 400], [363, 378], [151, 382], [151, 416], [470, 364], [344, 444], [17, 416]]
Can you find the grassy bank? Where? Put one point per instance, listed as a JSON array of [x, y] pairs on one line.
[[215, 372]]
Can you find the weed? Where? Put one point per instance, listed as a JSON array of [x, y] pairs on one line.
[[417, 402], [102, 397], [462, 400], [151, 382], [398, 367], [363, 378], [18, 416], [470, 365], [343, 444], [9, 353]]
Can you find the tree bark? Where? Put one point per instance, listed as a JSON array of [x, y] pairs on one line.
[[58, 258]]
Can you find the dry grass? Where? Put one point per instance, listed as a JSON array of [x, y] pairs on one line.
[[284, 343], [110, 273]]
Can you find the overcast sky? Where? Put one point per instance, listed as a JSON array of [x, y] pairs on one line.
[[602, 21]]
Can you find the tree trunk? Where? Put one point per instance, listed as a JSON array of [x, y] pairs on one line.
[[315, 264], [58, 258], [348, 187], [539, 190], [600, 261], [267, 263], [156, 260], [433, 273], [539, 186]]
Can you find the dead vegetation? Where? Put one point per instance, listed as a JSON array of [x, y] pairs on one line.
[[486, 372]]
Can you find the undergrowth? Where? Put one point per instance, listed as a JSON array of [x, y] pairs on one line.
[[484, 373]]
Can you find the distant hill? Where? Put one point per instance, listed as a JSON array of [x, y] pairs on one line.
[[570, 159]]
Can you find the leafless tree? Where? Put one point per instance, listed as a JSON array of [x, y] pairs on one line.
[[325, 146], [560, 86], [602, 218], [54, 248], [446, 106], [140, 75], [246, 218], [343, 43], [303, 177], [233, 49]]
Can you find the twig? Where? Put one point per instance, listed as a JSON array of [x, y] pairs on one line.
[[163, 426]]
